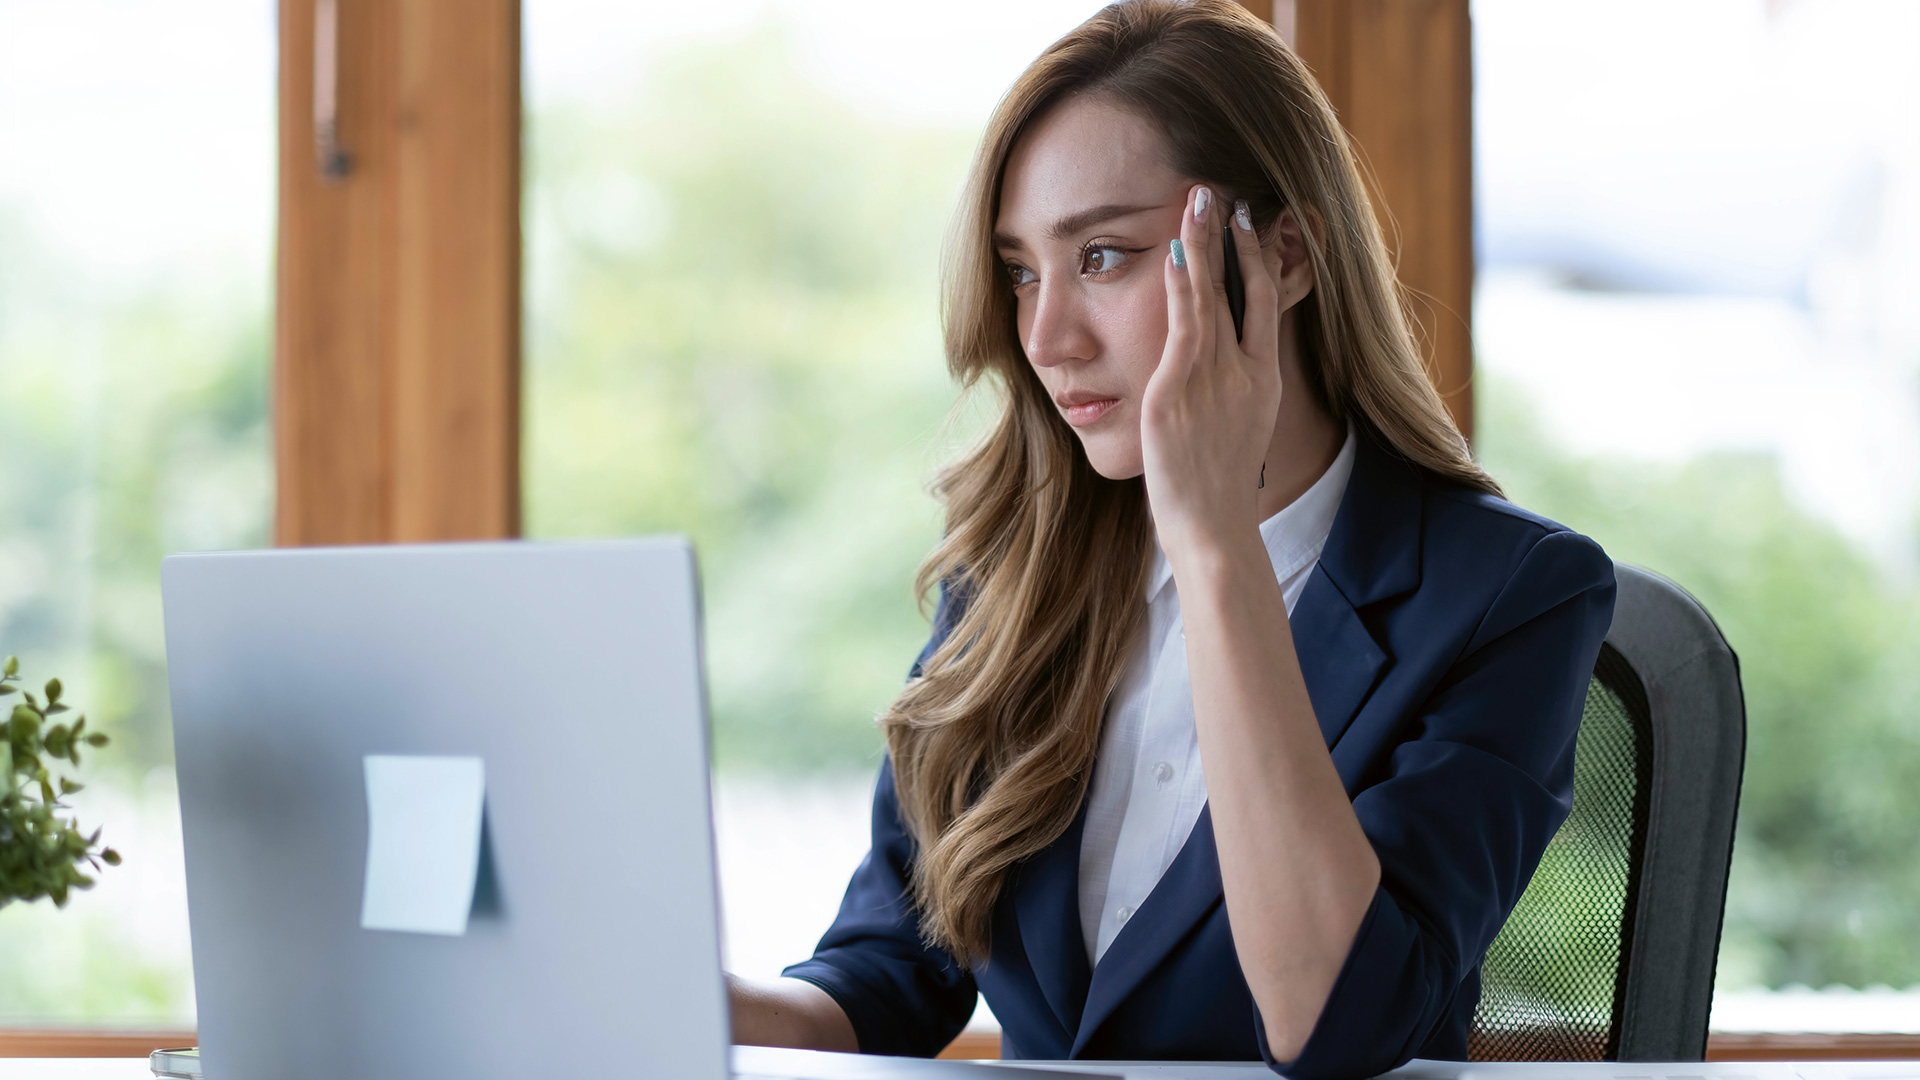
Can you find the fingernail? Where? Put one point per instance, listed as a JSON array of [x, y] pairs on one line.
[[1201, 202], [1179, 254], [1242, 216]]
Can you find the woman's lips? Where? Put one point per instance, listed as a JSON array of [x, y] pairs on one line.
[[1082, 413]]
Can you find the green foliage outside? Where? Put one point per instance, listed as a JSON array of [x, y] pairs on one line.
[[1825, 867], [135, 423], [41, 851], [733, 332]]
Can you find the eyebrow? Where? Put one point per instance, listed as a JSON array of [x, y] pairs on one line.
[[1077, 222]]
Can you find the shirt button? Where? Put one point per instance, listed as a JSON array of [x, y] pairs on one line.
[[1123, 914], [1162, 771]]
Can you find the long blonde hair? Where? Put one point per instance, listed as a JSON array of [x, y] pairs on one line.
[[993, 744]]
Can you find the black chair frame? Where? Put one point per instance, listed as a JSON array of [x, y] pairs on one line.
[[1691, 680]]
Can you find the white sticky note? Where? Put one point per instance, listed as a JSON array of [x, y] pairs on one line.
[[423, 842]]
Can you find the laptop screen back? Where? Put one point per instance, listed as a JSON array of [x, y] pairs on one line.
[[572, 673]]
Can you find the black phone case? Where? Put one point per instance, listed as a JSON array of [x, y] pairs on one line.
[[1236, 286]]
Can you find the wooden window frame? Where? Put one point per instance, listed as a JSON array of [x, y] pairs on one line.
[[396, 401], [1400, 74]]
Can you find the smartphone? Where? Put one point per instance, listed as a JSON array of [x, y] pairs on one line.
[[1236, 285]]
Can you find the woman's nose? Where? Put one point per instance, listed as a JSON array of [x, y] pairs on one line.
[[1059, 330]]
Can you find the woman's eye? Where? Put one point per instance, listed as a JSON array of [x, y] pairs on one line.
[[1020, 275], [1100, 260]]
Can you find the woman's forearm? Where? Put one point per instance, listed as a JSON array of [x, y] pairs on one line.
[[788, 1012], [1298, 872]]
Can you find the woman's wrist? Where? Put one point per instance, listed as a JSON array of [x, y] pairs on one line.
[[1204, 563]]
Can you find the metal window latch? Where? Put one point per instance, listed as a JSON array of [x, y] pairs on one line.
[[335, 163]]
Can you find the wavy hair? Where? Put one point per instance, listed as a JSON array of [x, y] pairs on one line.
[[992, 744]]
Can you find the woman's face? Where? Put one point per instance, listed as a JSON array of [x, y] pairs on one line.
[[1088, 205]]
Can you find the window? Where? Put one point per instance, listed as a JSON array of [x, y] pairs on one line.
[[1698, 342], [733, 222], [136, 209]]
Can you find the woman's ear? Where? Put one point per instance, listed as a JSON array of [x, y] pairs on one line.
[[1292, 270]]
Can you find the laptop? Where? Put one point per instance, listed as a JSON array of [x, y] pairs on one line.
[[559, 689]]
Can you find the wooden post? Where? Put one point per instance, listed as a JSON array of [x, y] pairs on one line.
[[1400, 73], [397, 323]]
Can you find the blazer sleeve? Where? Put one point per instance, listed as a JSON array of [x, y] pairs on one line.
[[1465, 812], [902, 996]]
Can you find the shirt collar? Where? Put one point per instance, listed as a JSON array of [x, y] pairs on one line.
[[1295, 536]]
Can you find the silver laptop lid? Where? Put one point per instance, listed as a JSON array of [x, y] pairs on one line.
[[572, 671]]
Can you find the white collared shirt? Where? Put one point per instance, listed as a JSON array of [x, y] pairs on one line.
[[1148, 787]]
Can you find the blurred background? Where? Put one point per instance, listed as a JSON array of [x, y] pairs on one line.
[[1697, 329]]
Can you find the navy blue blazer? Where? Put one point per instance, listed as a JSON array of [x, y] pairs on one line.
[[1446, 638]]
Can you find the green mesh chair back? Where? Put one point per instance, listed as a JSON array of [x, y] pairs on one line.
[[1609, 954], [1552, 981]]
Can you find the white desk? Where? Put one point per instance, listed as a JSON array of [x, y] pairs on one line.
[[1461, 1070], [851, 1067]]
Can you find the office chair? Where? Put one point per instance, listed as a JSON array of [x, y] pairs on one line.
[[1610, 954]]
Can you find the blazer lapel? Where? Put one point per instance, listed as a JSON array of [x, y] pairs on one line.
[[1187, 893], [1339, 659], [1373, 551], [1047, 901], [1372, 554]]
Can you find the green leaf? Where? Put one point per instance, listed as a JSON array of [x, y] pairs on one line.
[[53, 689], [68, 787], [51, 709], [24, 724], [46, 788], [98, 738], [110, 857], [5, 690], [13, 666]]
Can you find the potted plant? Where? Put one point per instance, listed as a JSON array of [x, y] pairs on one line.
[[41, 845]]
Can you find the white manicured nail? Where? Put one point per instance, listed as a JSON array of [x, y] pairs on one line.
[[1201, 202]]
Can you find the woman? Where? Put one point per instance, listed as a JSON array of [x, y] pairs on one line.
[[1250, 704]]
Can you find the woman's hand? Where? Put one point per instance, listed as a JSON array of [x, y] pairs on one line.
[[1209, 410]]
